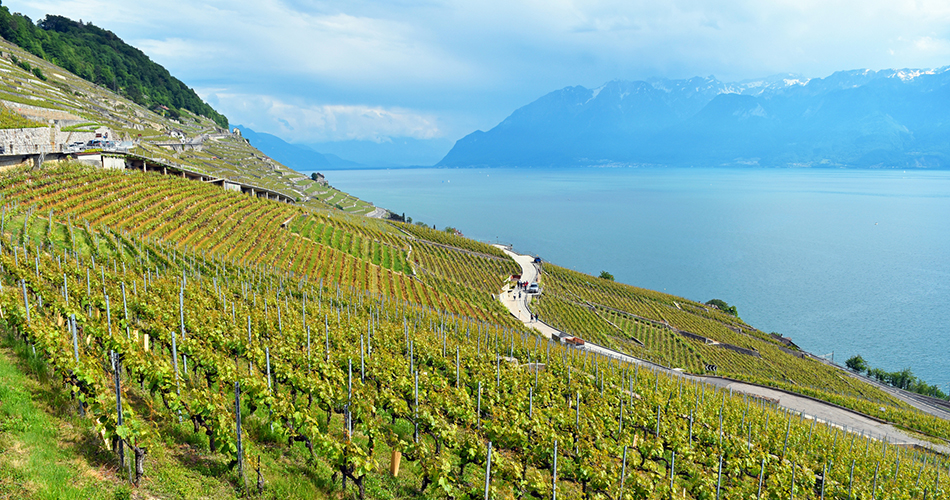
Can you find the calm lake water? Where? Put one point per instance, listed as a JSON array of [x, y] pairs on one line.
[[850, 261]]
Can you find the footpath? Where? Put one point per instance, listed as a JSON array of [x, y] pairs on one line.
[[518, 303]]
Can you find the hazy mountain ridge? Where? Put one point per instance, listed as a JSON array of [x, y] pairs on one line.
[[344, 155], [296, 157], [858, 118]]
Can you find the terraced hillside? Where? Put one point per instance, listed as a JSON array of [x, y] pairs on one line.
[[147, 306], [233, 227], [78, 108]]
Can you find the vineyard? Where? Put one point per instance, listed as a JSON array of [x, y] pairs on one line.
[[349, 251], [449, 239], [666, 330], [306, 361], [369, 243]]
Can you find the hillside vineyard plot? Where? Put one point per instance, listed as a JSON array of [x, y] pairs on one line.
[[233, 227], [348, 376], [623, 317], [438, 270], [339, 376]]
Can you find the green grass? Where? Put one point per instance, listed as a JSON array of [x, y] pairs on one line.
[[10, 119], [48, 452], [42, 455], [40, 103], [81, 127]]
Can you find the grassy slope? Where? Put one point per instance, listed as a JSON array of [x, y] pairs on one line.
[[48, 452], [44, 451]]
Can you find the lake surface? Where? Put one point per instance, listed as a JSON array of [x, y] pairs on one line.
[[850, 261]]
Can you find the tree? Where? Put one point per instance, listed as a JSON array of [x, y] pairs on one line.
[[604, 275], [723, 306], [857, 364], [879, 374], [102, 57], [903, 379]]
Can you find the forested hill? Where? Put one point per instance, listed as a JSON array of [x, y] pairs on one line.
[[101, 57]]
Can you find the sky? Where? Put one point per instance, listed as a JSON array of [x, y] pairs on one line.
[[319, 71]]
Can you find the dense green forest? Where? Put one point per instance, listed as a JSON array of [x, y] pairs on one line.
[[103, 58]]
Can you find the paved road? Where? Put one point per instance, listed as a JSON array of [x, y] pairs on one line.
[[916, 400], [378, 213], [518, 305]]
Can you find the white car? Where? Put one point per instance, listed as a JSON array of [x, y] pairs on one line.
[[533, 288]]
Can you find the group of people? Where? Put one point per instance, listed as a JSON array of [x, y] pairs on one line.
[[518, 287]]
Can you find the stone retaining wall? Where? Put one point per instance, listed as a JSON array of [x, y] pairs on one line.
[[26, 140], [40, 139], [786, 350]]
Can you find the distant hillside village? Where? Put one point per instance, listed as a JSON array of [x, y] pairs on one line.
[[40, 144], [68, 137], [56, 131], [63, 132]]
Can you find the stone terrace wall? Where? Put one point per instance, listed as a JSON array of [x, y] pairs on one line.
[[26, 140], [39, 140]]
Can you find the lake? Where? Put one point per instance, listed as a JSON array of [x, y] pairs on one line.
[[843, 261]]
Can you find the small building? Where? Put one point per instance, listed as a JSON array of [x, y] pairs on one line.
[[100, 160]]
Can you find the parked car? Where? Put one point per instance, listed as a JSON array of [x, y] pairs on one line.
[[575, 341], [100, 144], [533, 288]]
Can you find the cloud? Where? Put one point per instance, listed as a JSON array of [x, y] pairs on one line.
[[472, 62], [931, 44], [309, 123]]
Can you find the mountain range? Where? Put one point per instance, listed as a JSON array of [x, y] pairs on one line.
[[859, 118], [394, 153]]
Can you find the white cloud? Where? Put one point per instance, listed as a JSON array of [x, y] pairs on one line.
[[475, 61], [931, 44], [308, 123]]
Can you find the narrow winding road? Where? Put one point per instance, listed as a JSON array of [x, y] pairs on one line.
[[518, 303]]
